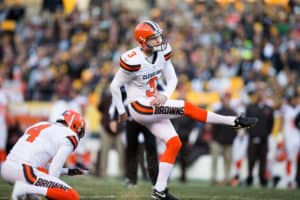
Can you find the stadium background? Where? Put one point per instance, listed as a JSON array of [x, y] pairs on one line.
[[68, 49]]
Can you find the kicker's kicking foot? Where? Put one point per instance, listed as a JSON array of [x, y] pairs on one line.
[[245, 122], [163, 195]]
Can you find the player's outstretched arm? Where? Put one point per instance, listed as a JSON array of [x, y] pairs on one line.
[[245, 122]]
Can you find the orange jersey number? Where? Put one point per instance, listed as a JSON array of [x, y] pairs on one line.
[[152, 84], [35, 132], [130, 55]]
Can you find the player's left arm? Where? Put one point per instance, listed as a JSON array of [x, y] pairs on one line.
[[169, 73], [270, 121], [67, 146], [121, 78], [60, 158], [56, 169], [171, 79]]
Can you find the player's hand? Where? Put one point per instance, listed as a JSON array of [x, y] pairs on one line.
[[159, 100], [123, 117], [75, 171]]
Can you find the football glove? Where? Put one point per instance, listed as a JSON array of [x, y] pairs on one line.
[[245, 122], [75, 171]]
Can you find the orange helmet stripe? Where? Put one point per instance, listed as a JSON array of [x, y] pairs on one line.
[[151, 25]]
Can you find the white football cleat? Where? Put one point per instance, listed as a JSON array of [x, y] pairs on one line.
[[18, 190]]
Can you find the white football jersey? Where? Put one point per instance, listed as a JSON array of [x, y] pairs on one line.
[[141, 76], [41, 142]]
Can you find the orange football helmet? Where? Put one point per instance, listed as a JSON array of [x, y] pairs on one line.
[[149, 35], [74, 121]]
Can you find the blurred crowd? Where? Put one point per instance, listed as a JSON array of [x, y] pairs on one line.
[[56, 55], [52, 52]]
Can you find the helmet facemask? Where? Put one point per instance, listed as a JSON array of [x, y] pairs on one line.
[[81, 131], [156, 42]]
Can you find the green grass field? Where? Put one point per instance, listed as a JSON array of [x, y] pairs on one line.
[[95, 188]]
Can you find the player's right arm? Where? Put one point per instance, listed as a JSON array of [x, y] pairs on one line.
[[60, 158], [122, 77], [67, 145]]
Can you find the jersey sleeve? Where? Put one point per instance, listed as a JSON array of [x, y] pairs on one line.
[[121, 78], [129, 67], [168, 52], [73, 140], [59, 159], [169, 73], [128, 62]]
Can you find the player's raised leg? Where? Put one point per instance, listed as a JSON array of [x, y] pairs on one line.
[[205, 116], [143, 111]]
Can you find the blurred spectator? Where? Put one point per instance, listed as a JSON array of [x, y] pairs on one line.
[[52, 5], [222, 140], [220, 42], [110, 135], [135, 152], [59, 103], [14, 132], [258, 135]]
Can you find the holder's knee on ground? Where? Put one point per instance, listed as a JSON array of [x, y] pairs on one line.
[[58, 193]]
